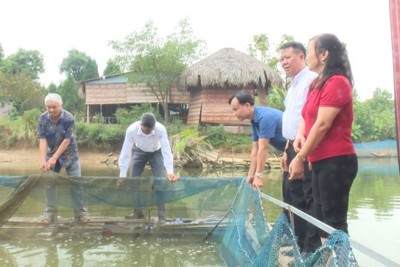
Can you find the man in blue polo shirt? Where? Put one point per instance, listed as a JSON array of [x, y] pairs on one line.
[[266, 126]]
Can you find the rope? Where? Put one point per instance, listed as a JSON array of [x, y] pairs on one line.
[[209, 233], [17, 198]]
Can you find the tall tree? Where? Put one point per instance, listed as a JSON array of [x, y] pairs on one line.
[[111, 68], [20, 90], [68, 89], [29, 62], [158, 62], [79, 65], [374, 119], [52, 88], [260, 48], [1, 53]]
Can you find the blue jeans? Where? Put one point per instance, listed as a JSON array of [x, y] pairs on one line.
[[76, 190], [139, 161]]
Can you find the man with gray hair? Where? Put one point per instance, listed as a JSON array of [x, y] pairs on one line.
[[146, 141], [58, 149]]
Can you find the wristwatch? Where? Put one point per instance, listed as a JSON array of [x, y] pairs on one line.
[[301, 157]]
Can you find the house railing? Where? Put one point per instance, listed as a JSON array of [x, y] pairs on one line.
[[97, 119]]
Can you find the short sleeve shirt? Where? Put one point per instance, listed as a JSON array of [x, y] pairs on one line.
[[336, 92], [267, 123], [55, 133]]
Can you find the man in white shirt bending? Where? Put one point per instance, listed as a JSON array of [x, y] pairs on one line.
[[146, 141]]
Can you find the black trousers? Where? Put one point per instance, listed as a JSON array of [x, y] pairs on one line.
[[331, 181], [298, 193]]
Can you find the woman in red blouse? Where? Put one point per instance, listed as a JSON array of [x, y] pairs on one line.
[[324, 137]]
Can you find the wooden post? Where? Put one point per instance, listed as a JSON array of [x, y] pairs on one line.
[[87, 113], [394, 6]]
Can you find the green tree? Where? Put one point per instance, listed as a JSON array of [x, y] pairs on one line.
[[112, 68], [260, 48], [381, 100], [276, 98], [1, 53], [52, 88], [127, 116], [29, 62], [158, 62], [284, 39], [20, 90], [69, 92], [30, 118], [79, 65], [374, 119]]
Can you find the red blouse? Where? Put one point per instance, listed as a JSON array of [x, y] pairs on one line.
[[336, 92]]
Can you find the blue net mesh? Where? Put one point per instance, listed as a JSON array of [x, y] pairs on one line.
[[247, 230], [225, 210], [248, 240]]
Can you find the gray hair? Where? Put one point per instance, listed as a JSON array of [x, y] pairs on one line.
[[148, 120], [54, 98]]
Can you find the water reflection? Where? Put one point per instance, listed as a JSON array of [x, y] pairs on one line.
[[111, 251], [374, 213]]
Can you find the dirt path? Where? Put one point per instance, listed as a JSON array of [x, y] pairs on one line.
[[28, 159], [31, 156]]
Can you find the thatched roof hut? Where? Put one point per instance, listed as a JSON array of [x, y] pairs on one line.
[[213, 80], [229, 68]]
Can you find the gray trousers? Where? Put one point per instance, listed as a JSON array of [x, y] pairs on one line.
[[156, 161], [76, 190]]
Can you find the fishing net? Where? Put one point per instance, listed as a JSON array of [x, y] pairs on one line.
[[249, 240], [187, 198], [225, 211]]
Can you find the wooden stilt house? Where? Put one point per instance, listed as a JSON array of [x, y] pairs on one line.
[[104, 95], [214, 79]]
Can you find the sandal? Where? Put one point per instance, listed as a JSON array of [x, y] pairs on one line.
[[46, 221], [82, 219]]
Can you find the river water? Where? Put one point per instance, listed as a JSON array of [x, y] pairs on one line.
[[374, 216]]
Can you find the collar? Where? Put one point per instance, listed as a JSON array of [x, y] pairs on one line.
[[61, 115], [256, 114], [299, 75], [140, 132]]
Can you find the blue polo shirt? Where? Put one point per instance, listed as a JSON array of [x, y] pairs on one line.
[[267, 123], [55, 133]]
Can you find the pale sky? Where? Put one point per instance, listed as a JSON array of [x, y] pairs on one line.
[[53, 27]]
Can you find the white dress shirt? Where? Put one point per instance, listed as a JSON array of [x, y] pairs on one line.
[[294, 102], [158, 138]]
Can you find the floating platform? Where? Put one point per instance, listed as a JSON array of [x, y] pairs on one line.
[[107, 226]]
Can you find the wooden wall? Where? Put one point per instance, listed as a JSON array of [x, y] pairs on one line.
[[119, 93], [98, 94], [210, 106], [206, 106], [194, 107]]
